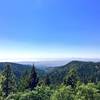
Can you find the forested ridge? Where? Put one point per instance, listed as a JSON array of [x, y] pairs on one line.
[[87, 71], [76, 80]]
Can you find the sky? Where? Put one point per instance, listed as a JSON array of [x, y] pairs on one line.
[[36, 29]]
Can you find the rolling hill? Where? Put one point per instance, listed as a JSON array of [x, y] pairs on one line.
[[87, 71], [19, 69]]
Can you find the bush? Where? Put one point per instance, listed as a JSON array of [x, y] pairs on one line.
[[87, 92], [63, 93], [40, 93]]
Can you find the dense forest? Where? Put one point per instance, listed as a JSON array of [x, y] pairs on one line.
[[76, 80]]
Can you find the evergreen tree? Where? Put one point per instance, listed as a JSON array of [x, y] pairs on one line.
[[9, 84], [1, 80], [33, 80], [47, 80], [23, 81], [72, 78]]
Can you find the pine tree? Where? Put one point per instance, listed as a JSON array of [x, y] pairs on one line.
[[33, 80], [1, 80], [47, 80], [72, 78], [9, 84], [23, 81]]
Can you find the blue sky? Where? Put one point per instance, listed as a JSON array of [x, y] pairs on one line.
[[49, 29]]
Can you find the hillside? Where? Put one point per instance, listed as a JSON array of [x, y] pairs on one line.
[[87, 71], [19, 69]]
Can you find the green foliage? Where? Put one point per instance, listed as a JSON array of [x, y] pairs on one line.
[[87, 92], [33, 80], [72, 78], [80, 84], [9, 84], [23, 81], [63, 93], [2, 78], [40, 93], [14, 96], [87, 72], [47, 80], [98, 85]]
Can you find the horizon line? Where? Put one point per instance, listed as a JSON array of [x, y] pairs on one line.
[[47, 59]]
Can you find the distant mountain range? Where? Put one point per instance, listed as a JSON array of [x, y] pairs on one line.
[[45, 63], [56, 62]]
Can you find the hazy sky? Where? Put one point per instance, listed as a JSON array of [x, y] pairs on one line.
[[49, 29]]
